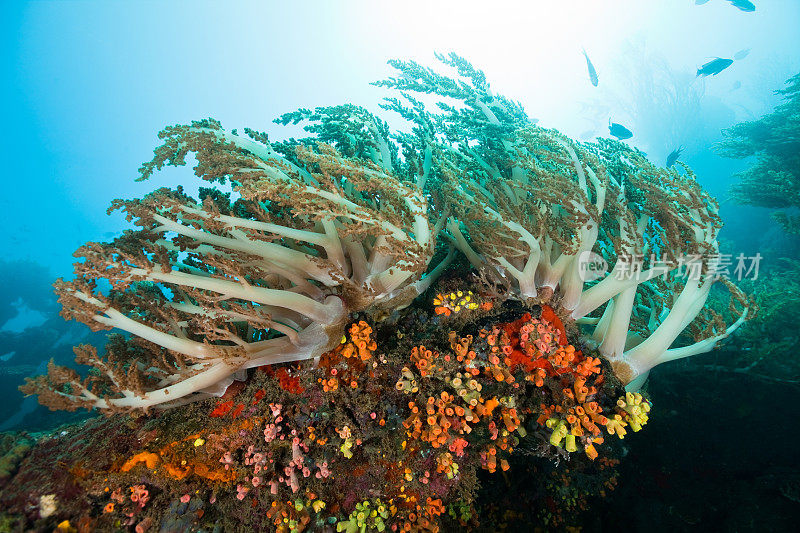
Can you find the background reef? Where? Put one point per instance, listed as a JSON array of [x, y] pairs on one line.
[[644, 477], [325, 438]]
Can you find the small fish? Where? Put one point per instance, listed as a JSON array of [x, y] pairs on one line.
[[592, 71], [736, 85], [619, 131], [700, 2], [673, 156], [744, 5], [714, 67], [741, 54]]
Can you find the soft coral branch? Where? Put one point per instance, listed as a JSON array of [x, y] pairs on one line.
[[211, 288]]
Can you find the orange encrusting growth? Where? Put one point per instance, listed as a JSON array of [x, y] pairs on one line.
[[346, 364], [150, 459]]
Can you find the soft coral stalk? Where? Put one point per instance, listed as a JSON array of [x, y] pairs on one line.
[[531, 231], [529, 205], [209, 288]]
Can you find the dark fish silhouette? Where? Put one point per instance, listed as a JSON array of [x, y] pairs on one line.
[[744, 5], [741, 54], [714, 67], [592, 71], [619, 131], [673, 156]]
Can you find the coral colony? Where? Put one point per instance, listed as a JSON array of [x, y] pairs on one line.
[[391, 319]]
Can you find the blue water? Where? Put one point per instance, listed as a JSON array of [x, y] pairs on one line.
[[87, 86]]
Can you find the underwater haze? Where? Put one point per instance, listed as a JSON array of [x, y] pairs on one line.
[[410, 266]]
